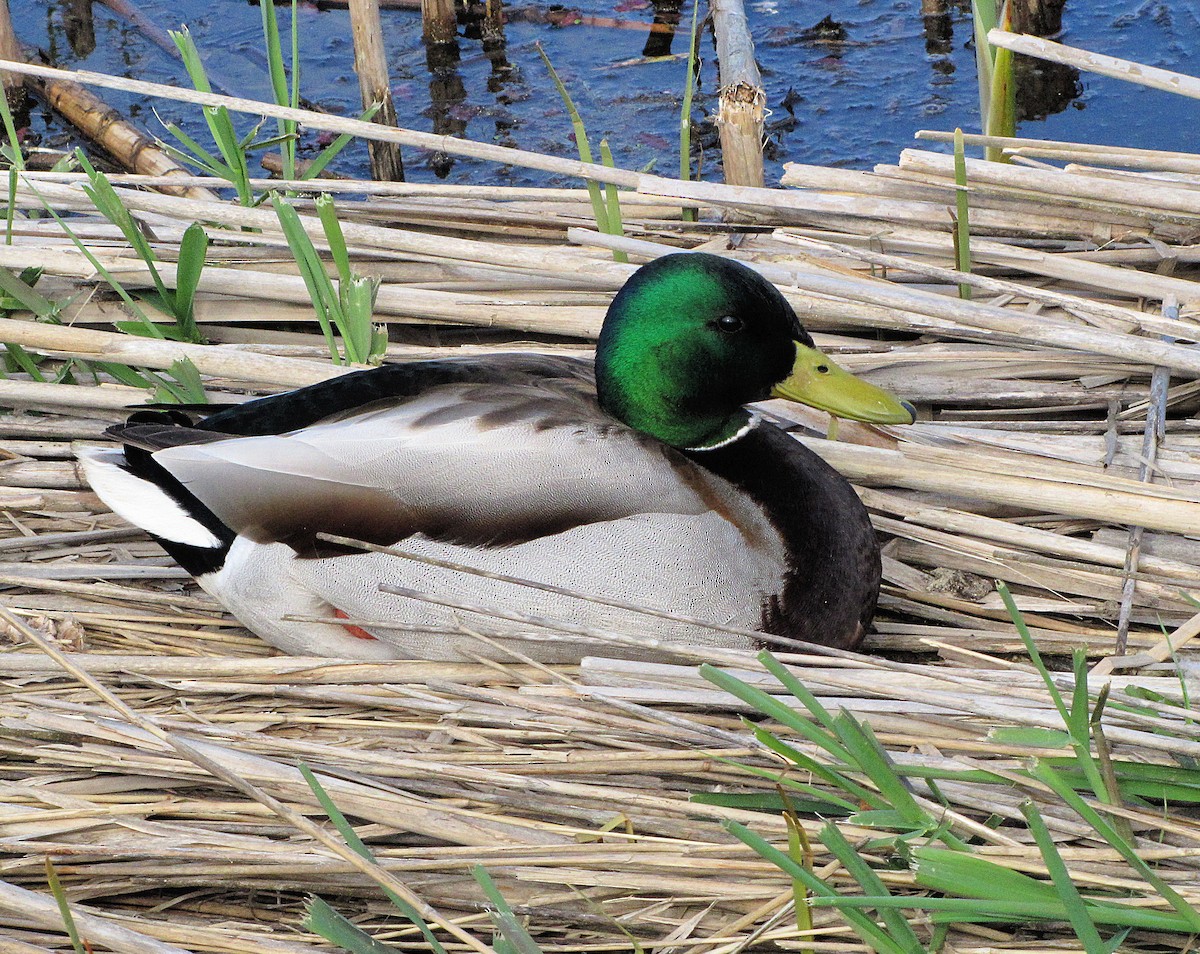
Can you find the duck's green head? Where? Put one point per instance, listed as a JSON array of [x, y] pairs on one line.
[[691, 338]]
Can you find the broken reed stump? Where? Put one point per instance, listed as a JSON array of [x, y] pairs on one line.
[[742, 102], [492, 27], [10, 49], [370, 63], [439, 22], [1039, 17]]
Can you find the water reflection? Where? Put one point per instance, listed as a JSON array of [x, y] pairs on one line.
[[449, 109], [79, 26], [666, 19], [939, 29], [447, 93], [1043, 89]]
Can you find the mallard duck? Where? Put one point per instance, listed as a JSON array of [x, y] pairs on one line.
[[641, 479]]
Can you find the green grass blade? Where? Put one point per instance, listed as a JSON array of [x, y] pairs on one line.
[[966, 875], [612, 202], [64, 907], [279, 83], [123, 374], [871, 758], [15, 157], [326, 155], [193, 250], [512, 929], [109, 203], [327, 213], [350, 836], [801, 853], [10, 213], [357, 328], [1030, 737], [685, 111], [196, 155], [871, 884], [1079, 722], [1080, 727], [325, 922], [26, 296], [983, 15], [835, 804], [796, 688], [975, 911], [1031, 648], [862, 925], [220, 124], [962, 223], [1060, 877], [1046, 774], [145, 325], [16, 165], [581, 143], [320, 290], [775, 709], [970, 877], [1002, 113], [17, 357], [825, 773], [186, 386]]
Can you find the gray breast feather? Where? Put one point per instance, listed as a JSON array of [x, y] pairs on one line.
[[469, 464]]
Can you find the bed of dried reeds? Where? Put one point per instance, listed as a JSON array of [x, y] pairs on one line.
[[148, 745]]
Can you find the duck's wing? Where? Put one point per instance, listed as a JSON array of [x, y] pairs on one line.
[[477, 463]]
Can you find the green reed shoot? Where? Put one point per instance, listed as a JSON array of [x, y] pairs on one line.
[[974, 889], [877, 938], [612, 201], [347, 310], [231, 161], [178, 303], [606, 210], [854, 752], [64, 909], [800, 851], [997, 90], [284, 96], [962, 224], [11, 151], [516, 940], [1077, 911], [232, 165], [685, 112]]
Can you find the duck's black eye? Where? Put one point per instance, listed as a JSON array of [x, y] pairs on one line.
[[730, 324], [822, 369]]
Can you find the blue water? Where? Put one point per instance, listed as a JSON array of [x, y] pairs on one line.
[[851, 103]]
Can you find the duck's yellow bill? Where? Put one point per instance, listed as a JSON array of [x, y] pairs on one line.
[[818, 382]]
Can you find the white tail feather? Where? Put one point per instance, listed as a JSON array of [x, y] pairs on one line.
[[140, 501]]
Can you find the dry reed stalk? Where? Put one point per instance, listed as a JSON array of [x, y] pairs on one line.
[[571, 785], [1042, 49], [43, 910], [1140, 193], [1092, 153]]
